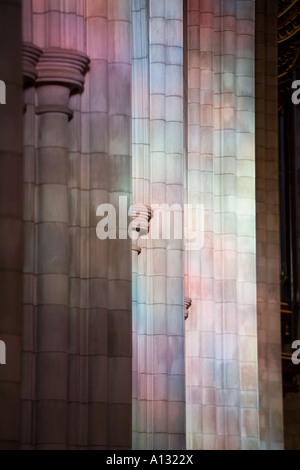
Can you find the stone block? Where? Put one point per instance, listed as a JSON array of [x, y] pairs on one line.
[[11, 195], [119, 426], [52, 324], [119, 333], [51, 424], [119, 41], [53, 289], [97, 413], [53, 248], [10, 412], [53, 205], [51, 369]]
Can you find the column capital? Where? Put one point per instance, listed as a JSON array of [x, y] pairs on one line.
[[30, 57], [60, 72], [187, 304], [62, 67]]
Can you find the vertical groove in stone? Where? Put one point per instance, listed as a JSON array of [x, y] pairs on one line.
[[119, 151], [29, 269], [268, 248], [140, 191], [94, 273]]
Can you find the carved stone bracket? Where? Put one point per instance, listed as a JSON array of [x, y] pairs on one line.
[[187, 304], [141, 216]]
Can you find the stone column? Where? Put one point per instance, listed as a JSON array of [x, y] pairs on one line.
[[158, 179], [106, 142], [164, 380], [136, 250], [31, 55], [267, 228], [221, 337], [140, 195], [141, 216], [59, 73], [11, 220]]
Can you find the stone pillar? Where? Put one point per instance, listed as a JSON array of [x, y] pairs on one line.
[[11, 220], [221, 337], [140, 195], [140, 103], [165, 377], [59, 73], [106, 143], [158, 179], [267, 228], [141, 216], [31, 55], [136, 250]]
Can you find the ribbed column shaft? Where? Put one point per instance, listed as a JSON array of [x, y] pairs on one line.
[[31, 55], [135, 376], [107, 119], [221, 337], [53, 265], [59, 72], [162, 372], [268, 245], [140, 195]]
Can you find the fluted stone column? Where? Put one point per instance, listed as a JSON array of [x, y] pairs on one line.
[[158, 179], [136, 250], [31, 55], [59, 73], [106, 272], [140, 195], [140, 224], [11, 223], [221, 335], [267, 228]]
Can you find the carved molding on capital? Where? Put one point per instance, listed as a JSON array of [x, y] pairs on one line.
[[62, 67], [187, 304], [55, 108], [30, 57]]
